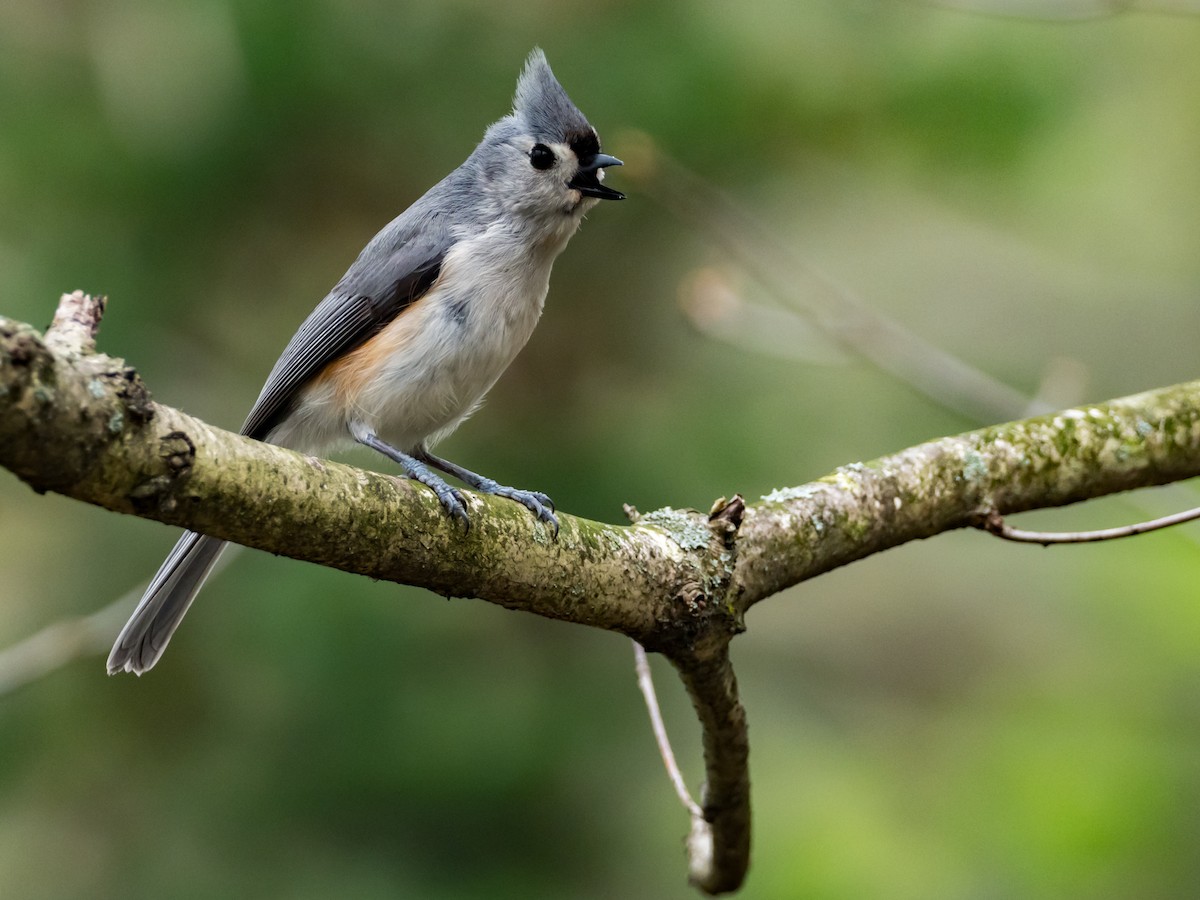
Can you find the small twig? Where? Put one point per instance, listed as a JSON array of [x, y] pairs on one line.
[[76, 322], [717, 308], [61, 643], [58, 644], [943, 377], [993, 523], [646, 683]]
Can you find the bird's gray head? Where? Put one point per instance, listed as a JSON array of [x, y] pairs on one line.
[[543, 161]]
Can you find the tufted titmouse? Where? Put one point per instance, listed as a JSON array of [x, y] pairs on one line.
[[434, 309]]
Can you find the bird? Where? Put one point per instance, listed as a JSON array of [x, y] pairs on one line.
[[423, 323]]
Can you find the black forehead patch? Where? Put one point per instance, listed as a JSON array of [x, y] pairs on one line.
[[585, 144]]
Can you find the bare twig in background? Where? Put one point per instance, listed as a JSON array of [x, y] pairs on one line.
[[67, 640], [716, 307], [60, 643], [645, 680], [993, 523], [939, 375]]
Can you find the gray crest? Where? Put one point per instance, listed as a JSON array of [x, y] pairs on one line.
[[546, 109]]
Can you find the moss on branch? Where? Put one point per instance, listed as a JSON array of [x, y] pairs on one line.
[[794, 534]]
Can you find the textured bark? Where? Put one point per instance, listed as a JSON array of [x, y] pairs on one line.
[[797, 533], [678, 582]]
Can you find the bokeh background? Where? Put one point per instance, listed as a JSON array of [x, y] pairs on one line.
[[962, 718]]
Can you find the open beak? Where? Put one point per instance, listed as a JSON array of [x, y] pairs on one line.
[[587, 179]]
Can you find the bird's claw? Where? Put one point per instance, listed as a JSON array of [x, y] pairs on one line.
[[454, 503], [534, 501]]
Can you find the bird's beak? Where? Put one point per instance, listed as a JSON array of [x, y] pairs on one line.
[[587, 179]]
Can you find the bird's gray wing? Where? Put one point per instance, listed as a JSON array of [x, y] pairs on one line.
[[380, 285]]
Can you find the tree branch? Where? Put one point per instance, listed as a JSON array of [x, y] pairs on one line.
[[87, 428], [797, 533], [676, 581], [719, 845]]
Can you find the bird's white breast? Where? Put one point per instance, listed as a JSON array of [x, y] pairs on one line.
[[430, 367]]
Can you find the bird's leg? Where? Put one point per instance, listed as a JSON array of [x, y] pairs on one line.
[[416, 469], [535, 501]]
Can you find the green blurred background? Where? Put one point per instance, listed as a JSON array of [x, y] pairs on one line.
[[962, 718]]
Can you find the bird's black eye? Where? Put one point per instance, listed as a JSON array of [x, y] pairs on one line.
[[542, 157]]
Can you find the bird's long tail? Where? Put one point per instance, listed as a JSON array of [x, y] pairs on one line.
[[161, 609]]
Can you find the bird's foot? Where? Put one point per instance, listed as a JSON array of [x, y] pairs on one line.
[[534, 501]]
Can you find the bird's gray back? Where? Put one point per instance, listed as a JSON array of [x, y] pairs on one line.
[[392, 272]]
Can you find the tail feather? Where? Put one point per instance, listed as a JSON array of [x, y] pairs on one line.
[[161, 609]]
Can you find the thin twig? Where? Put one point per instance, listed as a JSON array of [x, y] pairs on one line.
[[58, 644], [645, 681], [67, 640], [943, 377], [993, 523]]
